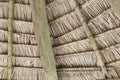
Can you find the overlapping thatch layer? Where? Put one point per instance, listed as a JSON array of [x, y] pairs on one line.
[[26, 58], [75, 57]]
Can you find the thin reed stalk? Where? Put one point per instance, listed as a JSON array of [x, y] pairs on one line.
[[10, 33]]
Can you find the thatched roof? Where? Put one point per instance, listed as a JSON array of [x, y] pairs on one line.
[[74, 53]]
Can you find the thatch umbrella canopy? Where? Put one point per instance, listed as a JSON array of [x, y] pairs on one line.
[[85, 35]]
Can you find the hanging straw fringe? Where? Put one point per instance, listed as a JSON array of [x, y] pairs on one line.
[[64, 24], [28, 74], [21, 61], [77, 34], [70, 21], [84, 74], [20, 73], [26, 61], [18, 38], [3, 73], [20, 50], [21, 11], [104, 22], [111, 55], [77, 60], [59, 8], [109, 38], [92, 8], [25, 50], [18, 26], [79, 46], [103, 40]]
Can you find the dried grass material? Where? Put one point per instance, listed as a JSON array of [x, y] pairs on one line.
[[108, 38], [21, 61], [18, 38], [79, 46], [21, 11], [28, 74], [93, 8], [77, 34], [20, 50], [104, 22], [64, 24], [103, 40], [18, 26], [77, 60], [3, 60], [110, 55], [27, 62], [88, 58], [3, 48], [116, 64], [59, 8], [3, 73], [77, 74], [20, 73], [18, 1], [25, 50], [3, 36], [3, 10], [24, 27], [24, 39]]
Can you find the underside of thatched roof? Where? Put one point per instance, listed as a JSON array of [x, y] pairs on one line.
[[75, 55]]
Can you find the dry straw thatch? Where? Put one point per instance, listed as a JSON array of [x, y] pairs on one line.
[[26, 58], [75, 57]]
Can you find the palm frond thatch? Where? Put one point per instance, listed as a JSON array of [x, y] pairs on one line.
[[75, 57]]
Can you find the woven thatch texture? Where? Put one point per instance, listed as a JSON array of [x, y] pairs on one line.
[[72, 47], [26, 58]]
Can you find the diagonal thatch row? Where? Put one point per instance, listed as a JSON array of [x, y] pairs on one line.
[[107, 39], [90, 14], [75, 57], [100, 22], [84, 73], [92, 8], [73, 49], [89, 58], [59, 8], [64, 24]]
